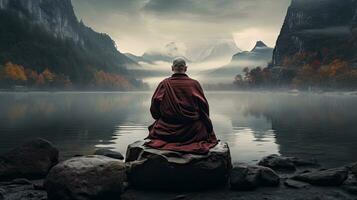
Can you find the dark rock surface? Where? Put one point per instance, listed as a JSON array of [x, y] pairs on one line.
[[109, 153], [264, 193], [31, 160], [248, 177], [19, 189], [329, 177], [277, 162], [88, 177], [324, 27], [152, 168]]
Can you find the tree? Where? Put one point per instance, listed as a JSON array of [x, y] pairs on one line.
[[14, 72]]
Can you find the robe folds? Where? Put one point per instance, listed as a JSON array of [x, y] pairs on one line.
[[181, 114]]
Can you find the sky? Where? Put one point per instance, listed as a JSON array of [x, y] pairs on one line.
[[142, 25]]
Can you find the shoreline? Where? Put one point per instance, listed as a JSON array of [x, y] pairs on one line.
[[315, 182]]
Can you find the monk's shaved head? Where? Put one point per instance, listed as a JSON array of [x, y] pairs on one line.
[[179, 65]]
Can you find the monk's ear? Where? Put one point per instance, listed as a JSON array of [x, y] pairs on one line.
[[185, 69]]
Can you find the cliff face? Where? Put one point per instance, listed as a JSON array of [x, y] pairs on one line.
[[325, 28], [56, 16], [43, 34]]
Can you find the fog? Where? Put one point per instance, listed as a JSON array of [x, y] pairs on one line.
[[306, 125]]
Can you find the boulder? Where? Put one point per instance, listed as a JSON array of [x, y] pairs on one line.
[[31, 160], [249, 177], [161, 169], [329, 177], [277, 162], [109, 153], [88, 177]]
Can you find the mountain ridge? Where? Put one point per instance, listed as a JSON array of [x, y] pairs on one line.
[[47, 34]]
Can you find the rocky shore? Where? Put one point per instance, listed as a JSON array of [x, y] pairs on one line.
[[33, 172]]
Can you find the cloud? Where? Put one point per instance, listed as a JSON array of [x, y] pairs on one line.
[[138, 25]]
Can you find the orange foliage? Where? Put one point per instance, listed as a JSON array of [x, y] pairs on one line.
[[107, 80], [14, 72]]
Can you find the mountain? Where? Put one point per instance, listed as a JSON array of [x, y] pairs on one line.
[[166, 54], [322, 29], [45, 34], [260, 55], [222, 50]]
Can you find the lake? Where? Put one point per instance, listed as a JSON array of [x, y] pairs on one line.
[[255, 124]]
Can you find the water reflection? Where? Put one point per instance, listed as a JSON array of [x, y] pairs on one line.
[[254, 124]]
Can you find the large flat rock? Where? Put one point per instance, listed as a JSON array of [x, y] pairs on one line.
[[160, 169], [329, 177]]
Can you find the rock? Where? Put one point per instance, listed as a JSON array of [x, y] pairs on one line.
[[109, 153], [305, 30], [89, 177], [20, 189], [277, 162], [295, 184], [248, 177], [330, 177], [31, 160], [160, 169]]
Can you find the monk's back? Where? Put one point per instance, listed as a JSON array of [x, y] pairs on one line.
[[181, 114]]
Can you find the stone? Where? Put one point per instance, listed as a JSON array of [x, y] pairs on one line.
[[277, 162], [150, 168], [20, 189], [31, 160], [295, 184], [249, 177], [329, 177], [87, 177], [109, 153]]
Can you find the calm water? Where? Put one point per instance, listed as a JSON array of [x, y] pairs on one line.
[[254, 124]]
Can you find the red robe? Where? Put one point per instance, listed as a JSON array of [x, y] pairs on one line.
[[181, 111]]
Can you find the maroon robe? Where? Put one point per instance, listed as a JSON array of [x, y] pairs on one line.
[[181, 111]]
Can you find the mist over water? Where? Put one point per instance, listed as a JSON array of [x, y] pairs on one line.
[[320, 126]]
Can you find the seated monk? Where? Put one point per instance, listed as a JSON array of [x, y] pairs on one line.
[[181, 114]]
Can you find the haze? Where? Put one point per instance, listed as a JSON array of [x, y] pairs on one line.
[[140, 25]]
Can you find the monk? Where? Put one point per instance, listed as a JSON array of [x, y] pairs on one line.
[[181, 114]]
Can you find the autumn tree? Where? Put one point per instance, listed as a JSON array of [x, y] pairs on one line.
[[106, 80], [14, 72]]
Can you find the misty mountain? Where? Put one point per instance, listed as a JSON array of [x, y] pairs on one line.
[[222, 50], [324, 29], [166, 54], [260, 55], [40, 34]]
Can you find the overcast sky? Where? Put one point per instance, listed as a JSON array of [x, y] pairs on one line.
[[139, 25]]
